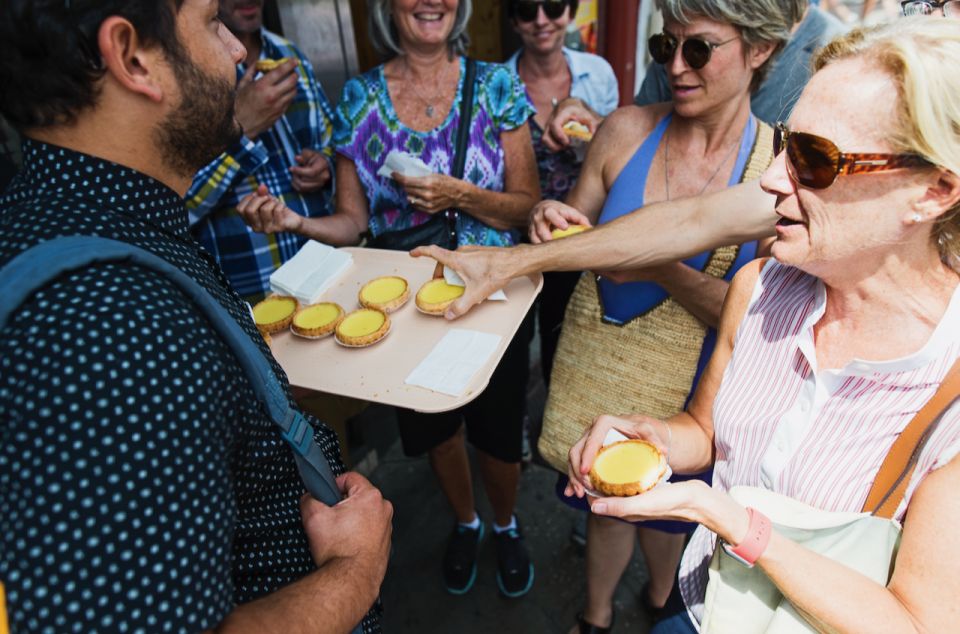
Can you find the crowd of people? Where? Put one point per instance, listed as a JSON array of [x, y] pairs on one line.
[[767, 293]]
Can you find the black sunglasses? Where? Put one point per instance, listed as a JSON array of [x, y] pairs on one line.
[[526, 10], [816, 162], [696, 52]]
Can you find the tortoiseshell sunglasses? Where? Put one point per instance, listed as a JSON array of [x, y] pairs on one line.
[[815, 162]]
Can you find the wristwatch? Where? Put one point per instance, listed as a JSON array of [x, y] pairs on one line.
[[755, 542]]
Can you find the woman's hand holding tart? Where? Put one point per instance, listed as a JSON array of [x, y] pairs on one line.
[[384, 293]]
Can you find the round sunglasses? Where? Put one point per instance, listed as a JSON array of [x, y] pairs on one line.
[[526, 10], [696, 51], [816, 162]]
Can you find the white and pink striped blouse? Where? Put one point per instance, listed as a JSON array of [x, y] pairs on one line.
[[818, 436]]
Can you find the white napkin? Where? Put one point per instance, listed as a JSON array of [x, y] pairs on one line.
[[309, 273], [453, 279], [454, 361], [404, 163]]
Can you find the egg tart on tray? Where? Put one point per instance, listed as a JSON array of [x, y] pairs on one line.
[[386, 293], [274, 313], [317, 321], [627, 467], [435, 296], [362, 327]]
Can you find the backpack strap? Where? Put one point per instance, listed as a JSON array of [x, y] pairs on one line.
[[36, 267], [891, 483]]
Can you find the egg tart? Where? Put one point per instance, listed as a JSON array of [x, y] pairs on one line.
[[267, 65], [435, 296], [384, 293], [317, 321], [362, 327], [577, 130], [556, 234], [274, 313], [627, 467]]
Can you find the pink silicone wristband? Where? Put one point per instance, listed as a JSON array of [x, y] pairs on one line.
[[757, 538]]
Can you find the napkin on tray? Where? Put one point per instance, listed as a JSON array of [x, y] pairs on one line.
[[454, 361], [309, 273]]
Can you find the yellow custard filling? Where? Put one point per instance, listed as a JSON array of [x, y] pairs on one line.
[[360, 323], [317, 316], [383, 290], [438, 291], [274, 309], [556, 234], [627, 462]]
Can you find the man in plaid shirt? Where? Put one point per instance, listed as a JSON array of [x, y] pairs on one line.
[[287, 123]]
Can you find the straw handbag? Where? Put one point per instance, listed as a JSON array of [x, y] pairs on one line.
[[743, 600], [645, 365]]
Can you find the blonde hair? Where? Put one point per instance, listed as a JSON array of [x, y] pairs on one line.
[[918, 53]]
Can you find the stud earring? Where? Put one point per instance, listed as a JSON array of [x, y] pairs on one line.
[[916, 218]]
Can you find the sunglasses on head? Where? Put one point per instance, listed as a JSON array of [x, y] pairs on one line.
[[696, 52], [948, 8], [815, 162], [526, 10]]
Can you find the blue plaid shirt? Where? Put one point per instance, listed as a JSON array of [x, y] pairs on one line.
[[246, 257]]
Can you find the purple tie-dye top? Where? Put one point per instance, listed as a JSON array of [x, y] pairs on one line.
[[367, 128]]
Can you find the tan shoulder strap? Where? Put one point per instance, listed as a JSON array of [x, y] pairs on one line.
[[894, 475]]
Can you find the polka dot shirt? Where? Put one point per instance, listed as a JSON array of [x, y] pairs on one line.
[[141, 487]]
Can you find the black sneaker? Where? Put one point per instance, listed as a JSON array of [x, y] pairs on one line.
[[514, 569], [460, 560]]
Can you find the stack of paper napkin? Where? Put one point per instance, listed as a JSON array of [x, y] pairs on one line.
[[309, 273]]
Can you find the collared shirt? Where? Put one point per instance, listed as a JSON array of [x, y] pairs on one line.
[[593, 82], [141, 486], [774, 99], [783, 424], [248, 258]]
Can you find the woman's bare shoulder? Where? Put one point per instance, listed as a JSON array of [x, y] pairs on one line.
[[633, 120]]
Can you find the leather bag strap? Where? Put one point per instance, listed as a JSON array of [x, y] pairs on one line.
[[891, 483]]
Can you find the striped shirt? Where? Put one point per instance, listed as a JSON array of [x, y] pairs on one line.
[[818, 436], [248, 258]]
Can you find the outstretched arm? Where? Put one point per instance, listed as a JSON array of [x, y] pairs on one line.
[[656, 234]]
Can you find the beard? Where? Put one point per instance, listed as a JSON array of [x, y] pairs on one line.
[[203, 125]]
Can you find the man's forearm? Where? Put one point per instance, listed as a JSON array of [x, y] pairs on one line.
[[332, 599], [657, 234]]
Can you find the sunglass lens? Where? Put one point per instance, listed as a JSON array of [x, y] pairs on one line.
[[553, 9], [815, 159], [526, 11], [696, 53], [661, 48]]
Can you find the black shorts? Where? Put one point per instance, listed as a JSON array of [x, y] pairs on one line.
[[494, 419]]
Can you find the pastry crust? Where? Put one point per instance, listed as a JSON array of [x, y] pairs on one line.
[[557, 234], [366, 339], [647, 476], [434, 307], [577, 130], [267, 65], [390, 305], [300, 325], [274, 313]]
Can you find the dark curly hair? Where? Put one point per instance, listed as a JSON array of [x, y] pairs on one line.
[[512, 8], [49, 60]]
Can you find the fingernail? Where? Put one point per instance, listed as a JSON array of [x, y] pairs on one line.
[[599, 507]]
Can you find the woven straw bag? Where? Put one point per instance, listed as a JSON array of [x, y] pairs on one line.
[[646, 365]]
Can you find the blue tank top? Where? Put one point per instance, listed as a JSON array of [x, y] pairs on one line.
[[624, 302]]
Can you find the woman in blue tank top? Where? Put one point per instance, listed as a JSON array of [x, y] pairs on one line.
[[640, 340]]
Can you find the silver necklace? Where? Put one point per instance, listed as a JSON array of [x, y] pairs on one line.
[[426, 103], [666, 165]]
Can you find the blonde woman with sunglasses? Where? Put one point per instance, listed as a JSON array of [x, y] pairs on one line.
[[826, 353]]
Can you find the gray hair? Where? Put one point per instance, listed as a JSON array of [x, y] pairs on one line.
[[383, 32], [758, 21]]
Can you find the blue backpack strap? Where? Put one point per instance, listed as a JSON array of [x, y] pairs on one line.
[[36, 267]]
